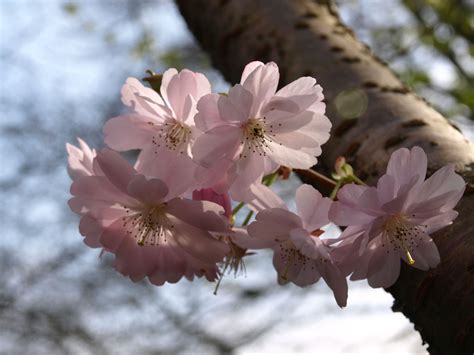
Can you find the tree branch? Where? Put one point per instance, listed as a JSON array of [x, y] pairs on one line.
[[306, 37]]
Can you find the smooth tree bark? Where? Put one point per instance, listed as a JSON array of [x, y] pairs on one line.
[[373, 114]]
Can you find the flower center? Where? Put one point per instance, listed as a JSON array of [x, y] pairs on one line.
[[148, 225], [256, 136], [402, 234], [174, 135]]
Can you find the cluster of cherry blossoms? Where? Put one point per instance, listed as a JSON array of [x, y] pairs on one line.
[[169, 215]]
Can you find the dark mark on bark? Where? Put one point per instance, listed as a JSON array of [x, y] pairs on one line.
[[351, 59], [302, 25], [395, 90], [323, 36], [400, 90], [455, 126], [344, 127], [370, 84], [416, 122], [433, 144], [336, 49], [394, 141], [310, 15]]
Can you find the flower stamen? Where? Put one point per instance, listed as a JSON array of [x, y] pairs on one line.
[[256, 136], [147, 226], [402, 234]]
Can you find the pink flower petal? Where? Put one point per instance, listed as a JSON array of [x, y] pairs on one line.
[[292, 158], [301, 86], [168, 76], [209, 194], [304, 243], [312, 207], [208, 115], [99, 188], [383, 267], [308, 274], [442, 181], [201, 214], [113, 236], [287, 266], [264, 198], [318, 128], [178, 89], [127, 132], [197, 242], [175, 170], [170, 266], [80, 160], [246, 172], [235, 108], [437, 222], [405, 164], [281, 122], [216, 144], [132, 89], [115, 168], [262, 83], [151, 191], [249, 68], [91, 230], [336, 280]]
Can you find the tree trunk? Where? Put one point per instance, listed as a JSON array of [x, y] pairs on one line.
[[372, 113]]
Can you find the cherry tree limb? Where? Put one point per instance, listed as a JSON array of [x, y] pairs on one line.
[[373, 114]]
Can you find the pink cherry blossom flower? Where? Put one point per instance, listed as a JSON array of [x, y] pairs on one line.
[[210, 195], [80, 159], [394, 219], [256, 128], [151, 230], [161, 126], [299, 254]]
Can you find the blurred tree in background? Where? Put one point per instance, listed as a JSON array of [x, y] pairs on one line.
[[431, 46], [63, 63]]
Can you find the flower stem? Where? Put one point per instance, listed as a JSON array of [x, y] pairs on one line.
[[270, 179], [333, 194], [247, 219], [315, 176], [237, 208], [357, 180]]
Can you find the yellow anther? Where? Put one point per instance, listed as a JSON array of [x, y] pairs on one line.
[[411, 261]]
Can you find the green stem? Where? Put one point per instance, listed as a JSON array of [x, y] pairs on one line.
[[357, 180], [247, 219], [333, 194], [237, 208], [313, 175], [270, 179]]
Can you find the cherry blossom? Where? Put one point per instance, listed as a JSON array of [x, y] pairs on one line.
[[210, 195], [255, 128], [300, 255], [151, 230], [161, 126], [395, 219], [80, 160]]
